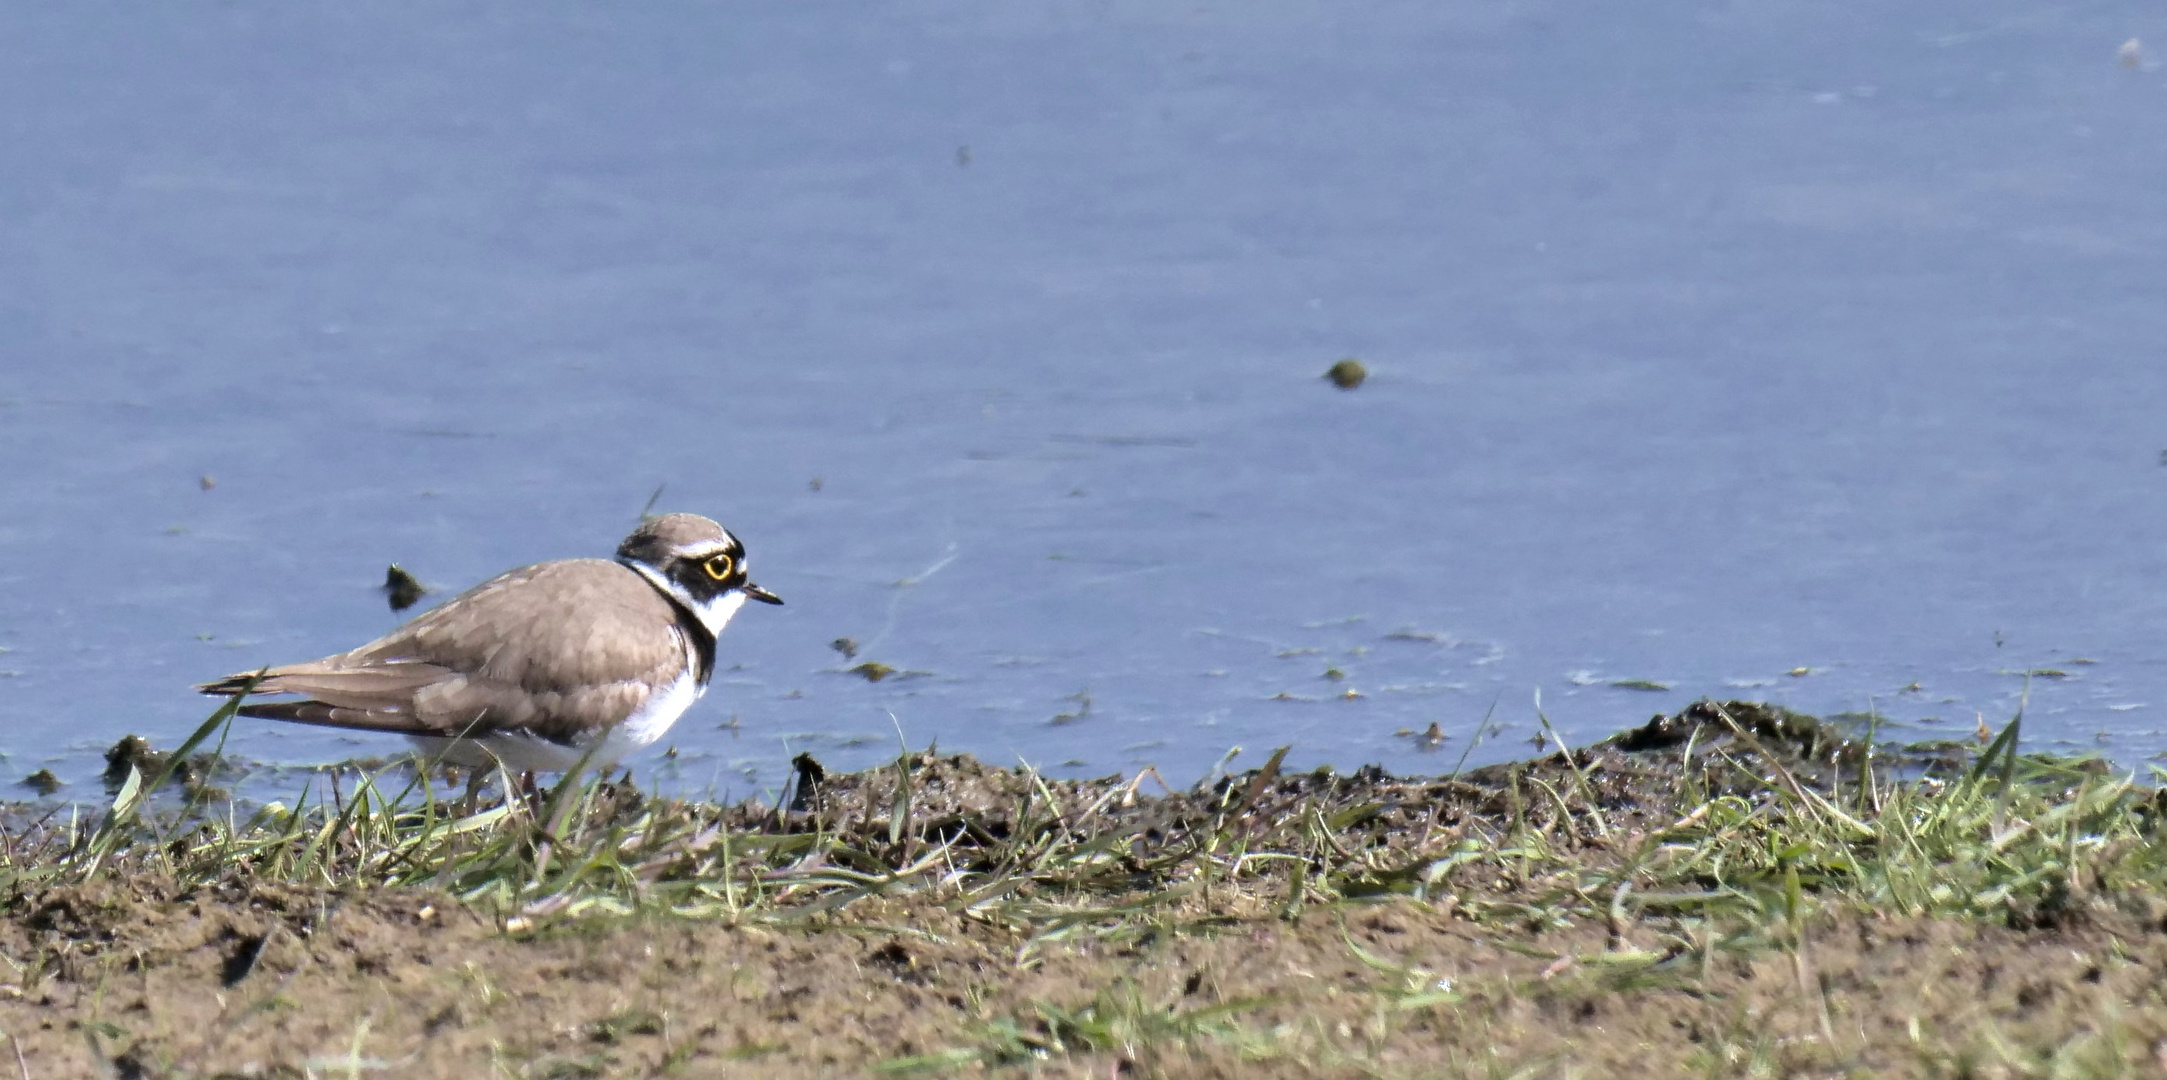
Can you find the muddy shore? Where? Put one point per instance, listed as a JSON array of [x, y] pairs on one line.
[[1662, 901]]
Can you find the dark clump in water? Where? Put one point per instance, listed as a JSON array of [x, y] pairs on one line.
[[1796, 734], [131, 752], [42, 781], [1347, 374], [402, 589], [193, 772]]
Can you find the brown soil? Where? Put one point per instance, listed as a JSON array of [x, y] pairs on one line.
[[293, 985], [137, 978]]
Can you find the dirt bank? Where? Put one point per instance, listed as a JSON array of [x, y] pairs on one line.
[[1568, 916]]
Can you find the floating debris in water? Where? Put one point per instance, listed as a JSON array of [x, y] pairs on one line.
[[42, 781], [2131, 54], [1799, 672], [1347, 374], [1639, 684], [847, 646], [815, 484], [207, 481], [402, 589], [134, 752], [1082, 698], [131, 752], [1429, 738], [873, 670]]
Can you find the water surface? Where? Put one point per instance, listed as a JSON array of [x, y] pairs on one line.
[[1781, 350]]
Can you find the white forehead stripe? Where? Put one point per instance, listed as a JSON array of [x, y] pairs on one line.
[[705, 548]]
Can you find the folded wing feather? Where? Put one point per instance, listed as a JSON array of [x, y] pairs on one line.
[[484, 661]]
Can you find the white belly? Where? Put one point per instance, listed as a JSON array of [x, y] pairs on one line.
[[525, 753]]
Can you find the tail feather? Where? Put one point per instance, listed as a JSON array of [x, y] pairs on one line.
[[228, 686], [325, 714], [379, 697]]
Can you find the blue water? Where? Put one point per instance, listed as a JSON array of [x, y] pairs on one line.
[[1709, 343]]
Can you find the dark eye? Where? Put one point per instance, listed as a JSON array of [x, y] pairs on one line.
[[719, 567]]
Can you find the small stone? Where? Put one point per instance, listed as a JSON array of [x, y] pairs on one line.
[[1347, 374], [42, 781], [873, 670]]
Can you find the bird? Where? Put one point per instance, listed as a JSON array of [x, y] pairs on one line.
[[539, 669]]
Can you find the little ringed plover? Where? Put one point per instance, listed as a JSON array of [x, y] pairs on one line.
[[542, 665]]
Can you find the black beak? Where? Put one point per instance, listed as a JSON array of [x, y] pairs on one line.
[[758, 593]]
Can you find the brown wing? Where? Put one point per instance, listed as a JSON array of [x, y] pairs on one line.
[[378, 698], [556, 648]]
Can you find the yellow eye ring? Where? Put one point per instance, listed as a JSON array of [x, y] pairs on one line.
[[719, 567]]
